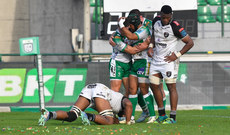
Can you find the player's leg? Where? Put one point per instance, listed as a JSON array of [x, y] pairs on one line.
[[115, 85], [116, 75], [163, 93], [125, 81], [133, 84], [141, 100], [148, 99], [155, 80], [144, 87], [173, 100], [81, 104], [170, 77], [126, 68], [144, 107], [106, 116]]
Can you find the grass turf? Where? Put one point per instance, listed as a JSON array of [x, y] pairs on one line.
[[192, 122]]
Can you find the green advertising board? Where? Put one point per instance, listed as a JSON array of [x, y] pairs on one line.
[[69, 84], [11, 84], [31, 94]]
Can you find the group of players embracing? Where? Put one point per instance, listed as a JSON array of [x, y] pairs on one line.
[[144, 54]]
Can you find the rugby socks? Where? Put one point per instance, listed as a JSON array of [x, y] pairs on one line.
[[164, 101], [91, 117], [133, 99], [149, 101], [53, 115], [173, 114], [142, 102], [161, 111]]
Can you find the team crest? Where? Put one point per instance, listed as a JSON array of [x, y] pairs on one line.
[[166, 34], [28, 47], [168, 73]]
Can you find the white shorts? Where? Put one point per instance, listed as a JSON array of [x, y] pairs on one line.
[[167, 70], [99, 90]]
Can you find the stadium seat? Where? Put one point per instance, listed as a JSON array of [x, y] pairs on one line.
[[98, 15], [201, 2], [92, 3], [205, 15], [226, 14], [216, 2]]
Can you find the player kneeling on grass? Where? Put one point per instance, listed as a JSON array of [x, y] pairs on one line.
[[105, 101]]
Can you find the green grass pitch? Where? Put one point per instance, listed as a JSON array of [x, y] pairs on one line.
[[192, 122]]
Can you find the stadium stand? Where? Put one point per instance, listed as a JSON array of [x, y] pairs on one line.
[[201, 2], [226, 14], [205, 15], [99, 14], [215, 2]]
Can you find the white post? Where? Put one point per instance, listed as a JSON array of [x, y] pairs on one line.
[[40, 83]]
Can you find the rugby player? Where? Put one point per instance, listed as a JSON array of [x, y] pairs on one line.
[[105, 101], [139, 69], [165, 35]]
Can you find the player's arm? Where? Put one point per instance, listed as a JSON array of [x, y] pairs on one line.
[[180, 33], [121, 46], [111, 42], [143, 46], [125, 30], [188, 44], [129, 34], [151, 45]]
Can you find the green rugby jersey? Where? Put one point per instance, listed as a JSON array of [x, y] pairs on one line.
[[118, 50]]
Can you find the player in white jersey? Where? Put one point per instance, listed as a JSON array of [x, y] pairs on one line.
[[105, 101], [165, 63]]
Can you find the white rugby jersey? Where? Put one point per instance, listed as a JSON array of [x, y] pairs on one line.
[[166, 38], [101, 91]]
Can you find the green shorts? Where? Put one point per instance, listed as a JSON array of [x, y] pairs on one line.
[[140, 68], [118, 70]]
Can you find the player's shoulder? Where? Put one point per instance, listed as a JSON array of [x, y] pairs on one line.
[[157, 18], [175, 23], [147, 20], [117, 35], [147, 23]]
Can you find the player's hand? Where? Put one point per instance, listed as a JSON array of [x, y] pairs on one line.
[[140, 47], [111, 42], [121, 22], [148, 39], [170, 58], [150, 52]]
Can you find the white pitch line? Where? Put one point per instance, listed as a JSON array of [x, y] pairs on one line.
[[211, 116]]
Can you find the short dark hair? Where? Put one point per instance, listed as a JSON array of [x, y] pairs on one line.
[[166, 9], [135, 11]]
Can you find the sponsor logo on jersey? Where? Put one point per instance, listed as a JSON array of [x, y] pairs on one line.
[[175, 22], [162, 45], [166, 34], [117, 37]]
